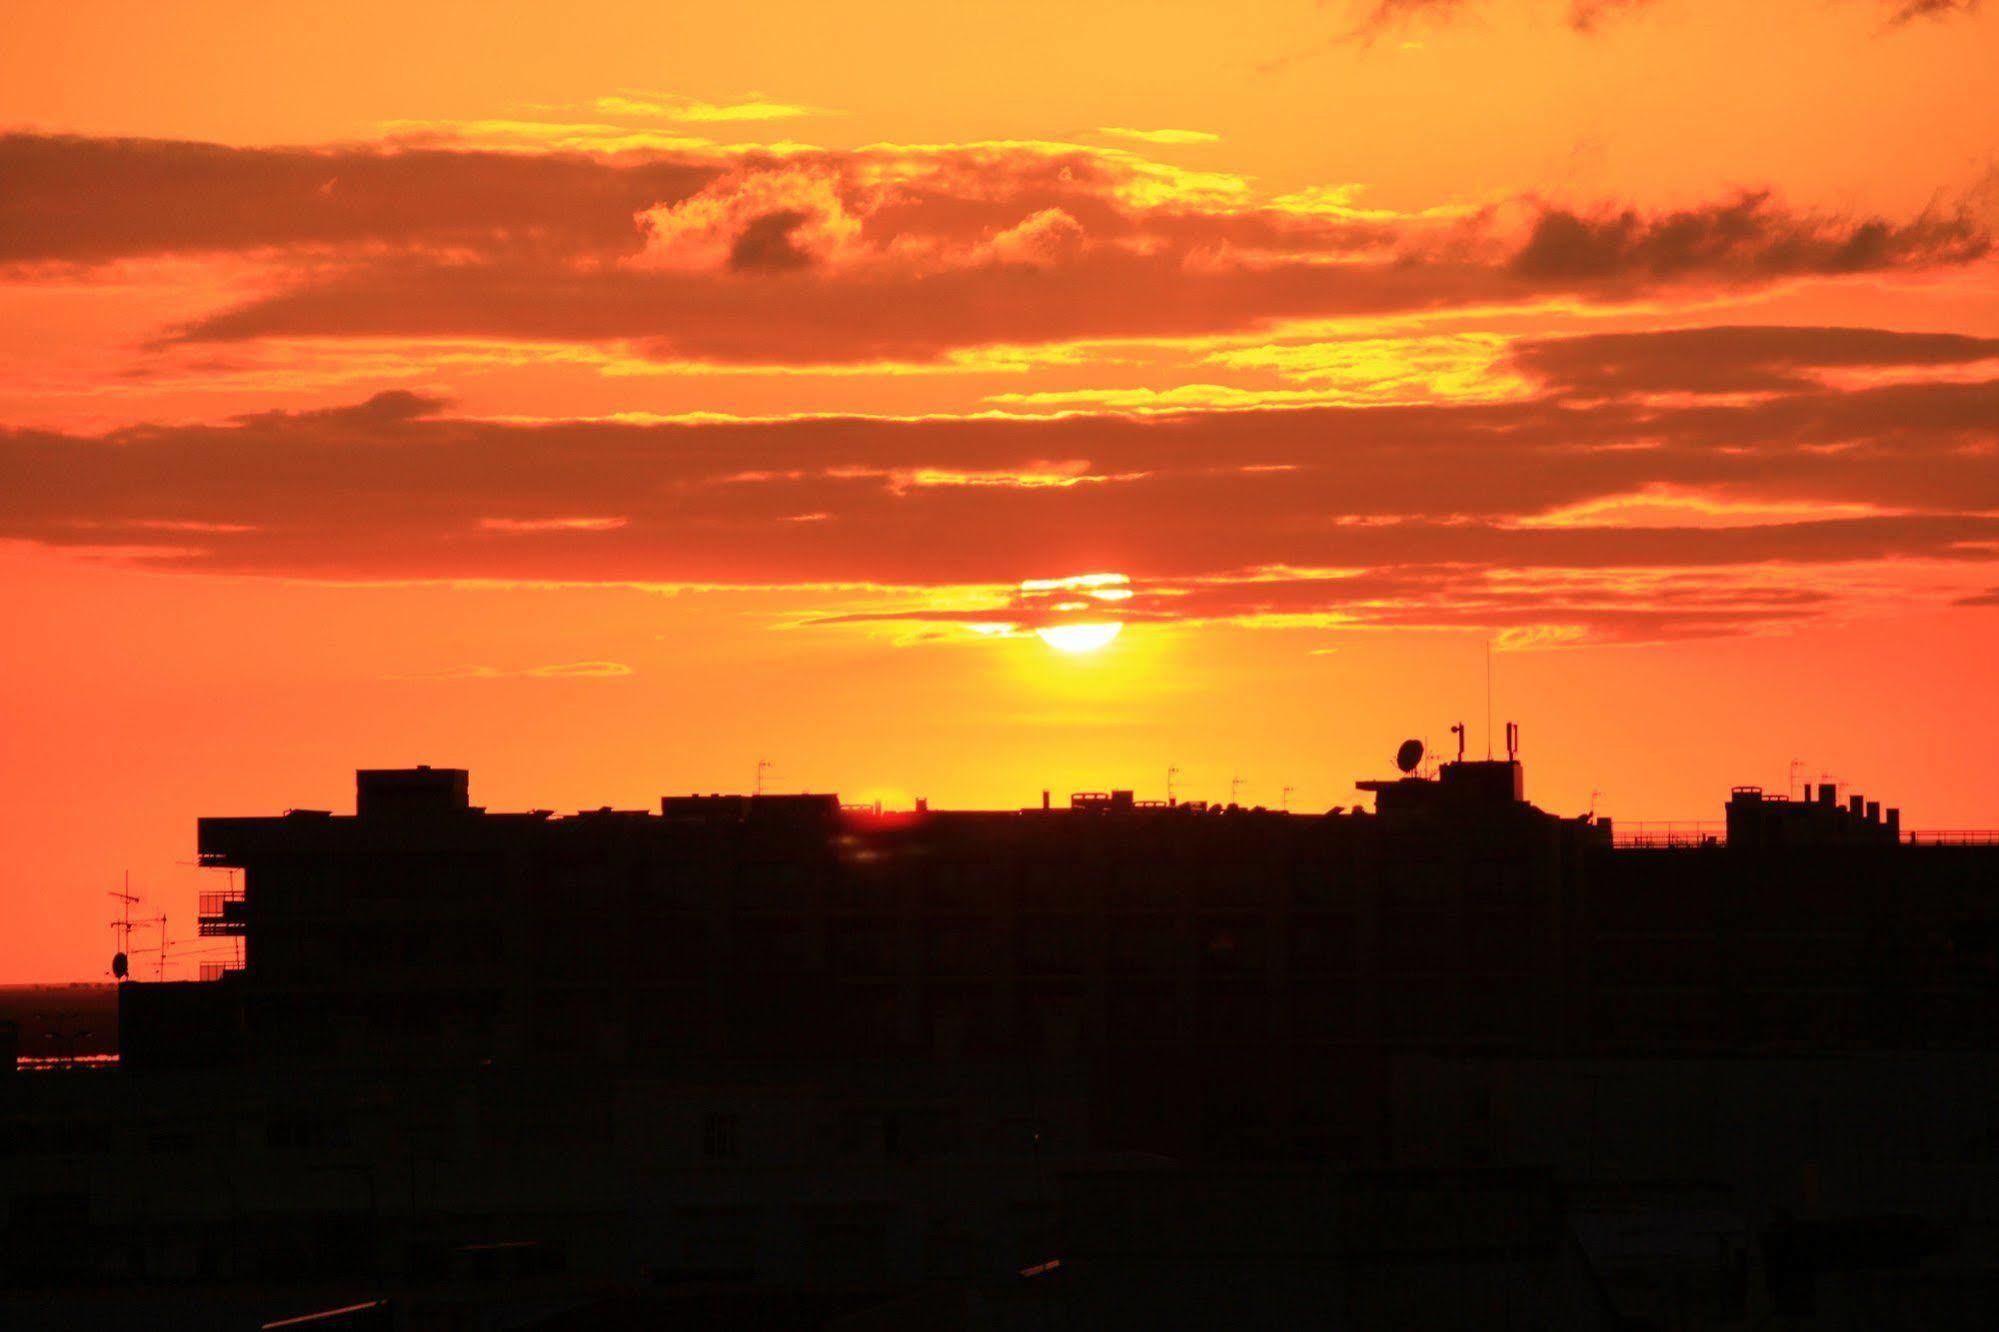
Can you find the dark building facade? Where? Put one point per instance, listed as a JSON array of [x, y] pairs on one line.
[[1245, 951], [1451, 1061], [1456, 916]]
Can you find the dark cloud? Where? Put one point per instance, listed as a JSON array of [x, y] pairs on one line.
[[895, 253], [766, 244], [1907, 11], [68, 199], [1375, 17], [912, 312], [1586, 15], [1748, 237], [1380, 16], [1486, 507], [1732, 359]]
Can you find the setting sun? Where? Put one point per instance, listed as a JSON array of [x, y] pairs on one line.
[[1078, 637]]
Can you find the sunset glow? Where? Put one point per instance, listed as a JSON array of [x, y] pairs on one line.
[[610, 399], [1079, 637]]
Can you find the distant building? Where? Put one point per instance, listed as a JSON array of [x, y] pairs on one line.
[[1451, 1062], [1457, 917]]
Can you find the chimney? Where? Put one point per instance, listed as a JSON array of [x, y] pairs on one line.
[[1044, 798]]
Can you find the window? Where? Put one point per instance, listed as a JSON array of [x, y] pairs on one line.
[[721, 1136]]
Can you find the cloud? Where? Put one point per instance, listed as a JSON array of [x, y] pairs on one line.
[[1380, 16], [566, 670], [1733, 359], [1376, 17], [1630, 493], [1745, 237], [533, 525], [1586, 15], [1164, 137], [893, 253], [79, 200], [1908, 11], [694, 111], [912, 259], [765, 243]]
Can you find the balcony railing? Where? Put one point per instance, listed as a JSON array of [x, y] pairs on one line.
[[220, 913], [1642, 836]]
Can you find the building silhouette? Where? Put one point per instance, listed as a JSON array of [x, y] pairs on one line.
[[771, 1061]]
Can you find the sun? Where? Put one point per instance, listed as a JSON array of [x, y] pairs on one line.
[[1079, 637]]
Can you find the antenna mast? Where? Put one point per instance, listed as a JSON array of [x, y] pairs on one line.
[[121, 929], [1488, 699], [1171, 773], [763, 766]]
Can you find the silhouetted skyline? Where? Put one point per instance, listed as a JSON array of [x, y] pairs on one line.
[[614, 399]]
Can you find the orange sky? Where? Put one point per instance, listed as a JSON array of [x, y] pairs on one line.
[[607, 398]]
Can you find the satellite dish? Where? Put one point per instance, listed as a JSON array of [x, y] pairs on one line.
[[120, 965], [1407, 757]]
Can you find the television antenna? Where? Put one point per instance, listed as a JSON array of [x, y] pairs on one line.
[[159, 923], [764, 766], [121, 929], [1171, 774], [1284, 799], [1235, 790]]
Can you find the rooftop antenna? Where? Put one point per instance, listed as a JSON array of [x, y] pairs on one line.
[[121, 930], [1488, 698], [1512, 741], [763, 766], [1284, 799], [1235, 790], [1171, 773], [1791, 781], [1458, 730]]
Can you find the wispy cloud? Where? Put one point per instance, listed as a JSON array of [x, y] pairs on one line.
[[1908, 11], [566, 670], [1168, 137], [1374, 18], [696, 111]]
